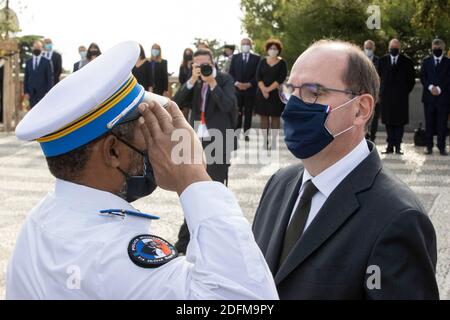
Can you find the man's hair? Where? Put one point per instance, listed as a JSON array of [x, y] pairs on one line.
[[69, 166], [360, 75], [204, 52], [438, 42], [370, 42]]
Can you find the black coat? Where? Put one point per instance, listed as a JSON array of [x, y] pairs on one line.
[[56, 62], [396, 85], [370, 219], [245, 72], [160, 77], [429, 75], [221, 106]]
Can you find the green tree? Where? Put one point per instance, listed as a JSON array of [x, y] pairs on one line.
[[298, 23]]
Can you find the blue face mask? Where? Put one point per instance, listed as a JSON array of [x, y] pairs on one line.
[[48, 47], [304, 127], [155, 52]]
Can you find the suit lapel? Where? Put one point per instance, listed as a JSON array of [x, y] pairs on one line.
[[335, 211], [339, 207], [287, 203]]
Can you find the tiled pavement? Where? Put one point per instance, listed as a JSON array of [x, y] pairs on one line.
[[24, 180]]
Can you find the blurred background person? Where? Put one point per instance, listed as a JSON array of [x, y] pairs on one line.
[[369, 50], [243, 70], [93, 52], [38, 78], [55, 59], [271, 72], [212, 98], [82, 51], [184, 75], [141, 70], [397, 81], [228, 51], [158, 70], [435, 78]]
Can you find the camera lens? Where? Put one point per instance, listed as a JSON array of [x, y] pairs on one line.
[[206, 70]]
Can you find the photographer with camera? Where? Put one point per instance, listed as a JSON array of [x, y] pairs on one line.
[[211, 95]]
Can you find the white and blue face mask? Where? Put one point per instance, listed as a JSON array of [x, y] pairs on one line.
[[305, 128]]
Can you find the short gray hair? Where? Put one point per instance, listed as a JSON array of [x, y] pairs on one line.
[[438, 42]]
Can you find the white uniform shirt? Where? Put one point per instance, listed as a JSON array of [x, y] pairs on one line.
[[66, 250], [330, 178]]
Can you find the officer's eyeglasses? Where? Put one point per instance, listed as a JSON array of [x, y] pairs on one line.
[[309, 93]]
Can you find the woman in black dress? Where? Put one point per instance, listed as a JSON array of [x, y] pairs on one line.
[[141, 71], [271, 72], [184, 75], [158, 70]]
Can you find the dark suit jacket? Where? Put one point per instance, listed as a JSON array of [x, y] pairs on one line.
[[245, 72], [370, 219], [38, 82], [221, 105], [56, 63], [429, 75], [396, 84], [160, 77]]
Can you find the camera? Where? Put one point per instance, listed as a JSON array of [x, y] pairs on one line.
[[206, 70]]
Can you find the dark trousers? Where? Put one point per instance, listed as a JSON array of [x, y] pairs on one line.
[[436, 117], [217, 172], [374, 123], [245, 103], [394, 136]]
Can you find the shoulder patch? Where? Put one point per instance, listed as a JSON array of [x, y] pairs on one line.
[[147, 251]]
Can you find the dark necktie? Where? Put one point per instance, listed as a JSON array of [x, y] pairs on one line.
[[298, 222], [436, 64]]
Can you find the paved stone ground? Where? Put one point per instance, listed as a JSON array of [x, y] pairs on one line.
[[24, 180]]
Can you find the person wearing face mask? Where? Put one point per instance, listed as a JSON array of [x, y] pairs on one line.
[[243, 70], [82, 51], [38, 78], [55, 59], [184, 74], [271, 72], [211, 96], [85, 240], [339, 225], [158, 70], [93, 52], [369, 50], [397, 81], [435, 78]]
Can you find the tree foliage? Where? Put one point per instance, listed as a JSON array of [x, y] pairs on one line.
[[298, 23]]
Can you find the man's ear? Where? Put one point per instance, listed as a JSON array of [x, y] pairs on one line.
[[110, 151], [366, 106]]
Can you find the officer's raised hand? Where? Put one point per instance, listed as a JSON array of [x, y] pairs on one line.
[[162, 129]]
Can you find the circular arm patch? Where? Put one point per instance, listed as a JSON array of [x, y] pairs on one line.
[[147, 251]]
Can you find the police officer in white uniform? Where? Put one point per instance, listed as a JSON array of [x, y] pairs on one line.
[[99, 131]]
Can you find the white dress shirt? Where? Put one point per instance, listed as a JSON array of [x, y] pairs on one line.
[[36, 61], [65, 236], [436, 61], [330, 178], [394, 60]]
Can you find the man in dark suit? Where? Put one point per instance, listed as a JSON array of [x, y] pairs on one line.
[[369, 50], [83, 61], [214, 112], [397, 81], [38, 79], [339, 225], [243, 70], [435, 78], [55, 59]]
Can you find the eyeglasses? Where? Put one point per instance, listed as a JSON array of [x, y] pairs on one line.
[[308, 92]]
